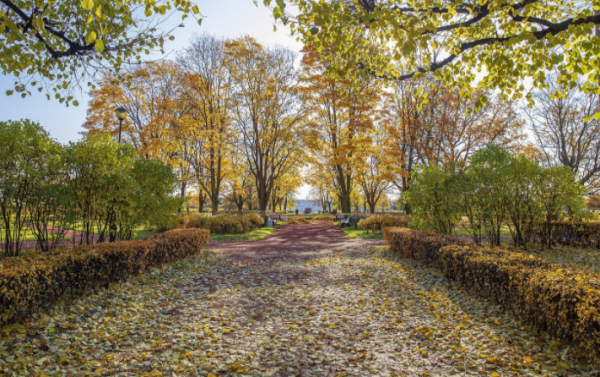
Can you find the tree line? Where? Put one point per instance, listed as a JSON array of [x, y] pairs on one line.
[[91, 191], [245, 122]]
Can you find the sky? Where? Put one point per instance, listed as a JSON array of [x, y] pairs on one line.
[[226, 18]]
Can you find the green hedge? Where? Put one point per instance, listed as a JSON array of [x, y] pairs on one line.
[[35, 281], [564, 302]]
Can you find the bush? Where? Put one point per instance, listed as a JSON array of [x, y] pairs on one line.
[[226, 223], [323, 217], [570, 233], [34, 281], [416, 244], [297, 221], [564, 302], [379, 222], [255, 219]]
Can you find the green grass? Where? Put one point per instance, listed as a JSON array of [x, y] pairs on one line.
[[142, 234], [360, 233], [254, 235]]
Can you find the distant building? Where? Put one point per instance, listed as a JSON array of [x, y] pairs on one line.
[[302, 204]]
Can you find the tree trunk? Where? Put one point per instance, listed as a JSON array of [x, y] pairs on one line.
[[214, 205], [201, 201]]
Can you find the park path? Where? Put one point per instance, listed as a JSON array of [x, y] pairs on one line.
[[303, 302], [293, 240]]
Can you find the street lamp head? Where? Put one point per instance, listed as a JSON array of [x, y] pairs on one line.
[[121, 113]]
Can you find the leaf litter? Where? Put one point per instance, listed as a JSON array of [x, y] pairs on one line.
[[352, 312]]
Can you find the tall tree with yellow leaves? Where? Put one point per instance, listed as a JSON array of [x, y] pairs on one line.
[[373, 175], [341, 114], [266, 111], [205, 98], [152, 99]]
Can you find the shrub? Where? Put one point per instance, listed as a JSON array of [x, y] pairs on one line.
[[297, 221], [255, 219], [564, 302], [416, 244], [226, 223], [570, 233], [323, 217], [379, 222], [34, 281]]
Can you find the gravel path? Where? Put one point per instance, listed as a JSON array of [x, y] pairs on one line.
[[345, 309]]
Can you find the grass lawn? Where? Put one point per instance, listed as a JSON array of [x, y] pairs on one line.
[[360, 233], [257, 234], [142, 234]]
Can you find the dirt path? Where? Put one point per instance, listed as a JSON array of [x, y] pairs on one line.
[[304, 302], [293, 240]]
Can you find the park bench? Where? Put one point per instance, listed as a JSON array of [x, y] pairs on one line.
[[275, 217]]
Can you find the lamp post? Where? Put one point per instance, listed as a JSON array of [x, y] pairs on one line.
[[121, 114]]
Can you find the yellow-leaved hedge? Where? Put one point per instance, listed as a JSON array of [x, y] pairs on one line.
[[564, 302], [379, 222], [31, 282]]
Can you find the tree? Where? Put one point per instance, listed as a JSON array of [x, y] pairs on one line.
[[28, 164], [151, 97], [54, 45], [285, 189], [155, 125], [372, 174], [495, 43], [266, 111], [566, 131], [206, 99], [340, 115], [444, 128], [322, 186], [433, 197]]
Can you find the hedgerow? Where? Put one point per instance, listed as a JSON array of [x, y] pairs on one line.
[[419, 245], [297, 220], [570, 233], [564, 302], [323, 218], [31, 282], [377, 223], [226, 223]]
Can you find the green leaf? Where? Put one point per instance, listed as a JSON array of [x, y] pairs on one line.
[[277, 13], [195, 9], [314, 30], [99, 46], [87, 4], [91, 37]]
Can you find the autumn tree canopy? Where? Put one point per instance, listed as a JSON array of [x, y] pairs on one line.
[[495, 44], [56, 46]]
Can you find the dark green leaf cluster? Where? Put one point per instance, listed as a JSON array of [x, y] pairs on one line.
[[98, 188], [53, 45], [495, 190]]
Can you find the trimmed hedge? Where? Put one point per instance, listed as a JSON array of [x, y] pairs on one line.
[[564, 302], [35, 281], [297, 221], [570, 233], [226, 223], [379, 222], [327, 218], [415, 244]]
